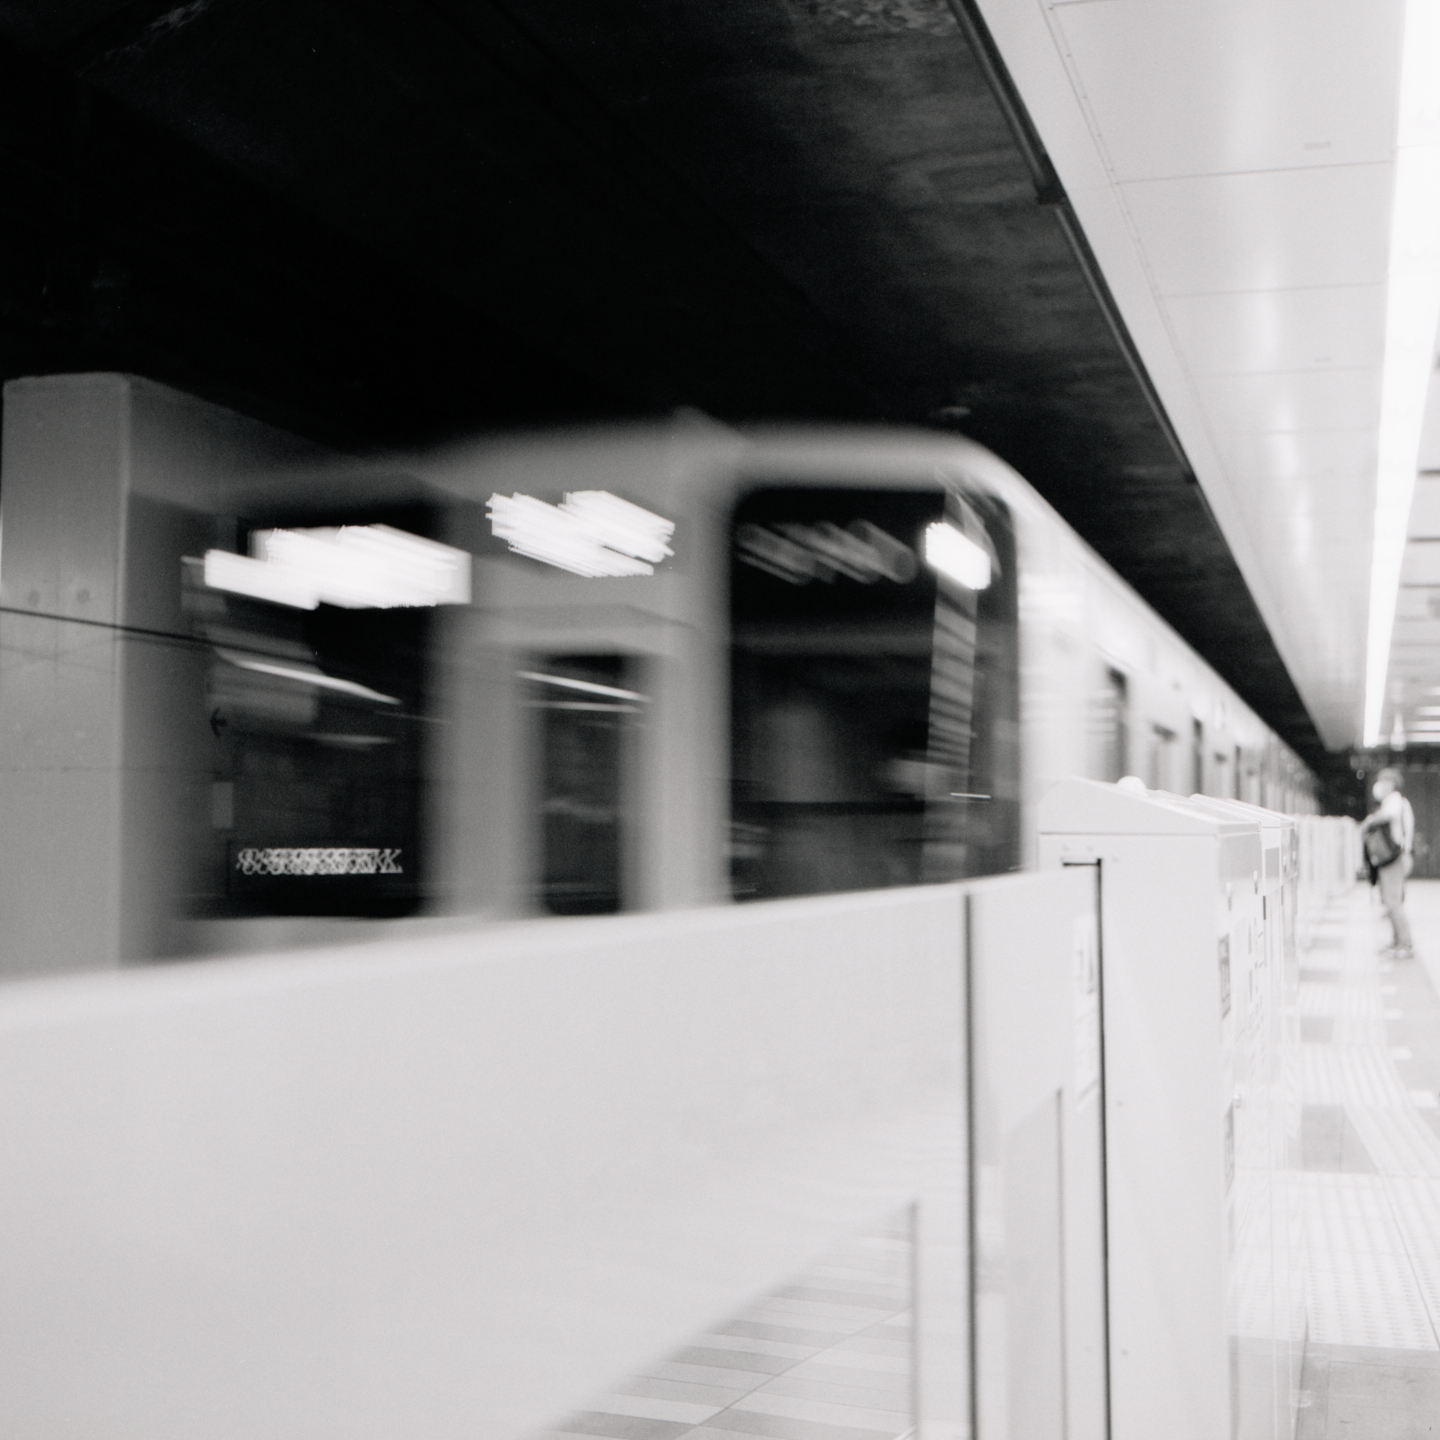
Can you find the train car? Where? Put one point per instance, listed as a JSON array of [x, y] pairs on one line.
[[692, 665]]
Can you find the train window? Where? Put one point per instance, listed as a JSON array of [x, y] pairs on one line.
[[1110, 725], [1197, 757], [874, 702], [1159, 763], [1236, 777], [587, 706], [315, 722]]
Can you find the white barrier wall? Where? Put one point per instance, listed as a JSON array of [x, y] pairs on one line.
[[1041, 1367], [1202, 1287], [455, 1187], [1269, 1314]]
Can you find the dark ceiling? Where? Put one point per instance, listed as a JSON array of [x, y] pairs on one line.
[[386, 223]]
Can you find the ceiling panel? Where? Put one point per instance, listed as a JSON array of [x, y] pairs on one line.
[[1294, 400], [1328, 328], [1332, 511], [1281, 455], [1182, 88], [1288, 229]]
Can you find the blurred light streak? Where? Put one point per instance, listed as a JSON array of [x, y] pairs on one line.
[[240, 575], [357, 567], [588, 686], [590, 533], [318, 678]]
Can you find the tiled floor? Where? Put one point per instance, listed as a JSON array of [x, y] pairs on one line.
[[827, 1357], [1370, 1178]]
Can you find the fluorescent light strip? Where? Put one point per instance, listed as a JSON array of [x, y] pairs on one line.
[[1412, 308]]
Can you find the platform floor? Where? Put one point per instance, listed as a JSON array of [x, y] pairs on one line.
[[1370, 1177]]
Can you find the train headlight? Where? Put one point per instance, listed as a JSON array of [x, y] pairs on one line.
[[956, 556]]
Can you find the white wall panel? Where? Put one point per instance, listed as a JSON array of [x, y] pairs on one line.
[[1279, 229], [1311, 399], [1245, 332], [1313, 455], [1180, 88]]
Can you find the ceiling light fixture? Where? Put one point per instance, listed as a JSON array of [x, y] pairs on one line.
[[1412, 308]]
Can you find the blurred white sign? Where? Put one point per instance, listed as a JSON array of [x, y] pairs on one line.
[[319, 860], [591, 533], [358, 567]]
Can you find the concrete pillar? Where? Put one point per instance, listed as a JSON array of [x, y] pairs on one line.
[[105, 482]]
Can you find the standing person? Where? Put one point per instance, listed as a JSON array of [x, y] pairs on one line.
[[1389, 836]]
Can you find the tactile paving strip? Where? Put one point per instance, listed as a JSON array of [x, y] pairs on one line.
[[1373, 1240]]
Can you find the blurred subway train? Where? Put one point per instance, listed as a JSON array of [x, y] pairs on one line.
[[661, 666]]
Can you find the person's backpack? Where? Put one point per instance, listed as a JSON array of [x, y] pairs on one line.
[[1381, 847]]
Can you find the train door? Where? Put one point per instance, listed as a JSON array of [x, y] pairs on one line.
[[1110, 726], [874, 698], [587, 711], [317, 719], [1220, 789]]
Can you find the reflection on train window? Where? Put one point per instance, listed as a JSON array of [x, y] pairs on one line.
[[315, 773], [1110, 724], [874, 703], [588, 708]]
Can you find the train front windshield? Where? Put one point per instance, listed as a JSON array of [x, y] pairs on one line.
[[874, 689]]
